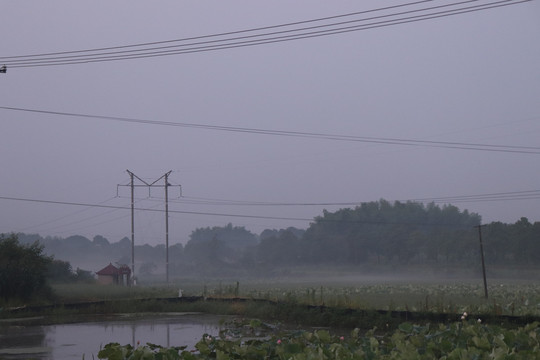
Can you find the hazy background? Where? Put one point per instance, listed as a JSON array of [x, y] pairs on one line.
[[470, 78]]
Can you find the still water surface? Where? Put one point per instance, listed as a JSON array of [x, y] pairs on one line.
[[26, 339]]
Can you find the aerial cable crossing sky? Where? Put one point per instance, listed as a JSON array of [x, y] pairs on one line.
[[286, 113], [217, 42], [336, 137]]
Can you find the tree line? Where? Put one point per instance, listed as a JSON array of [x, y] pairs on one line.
[[381, 234], [26, 272]]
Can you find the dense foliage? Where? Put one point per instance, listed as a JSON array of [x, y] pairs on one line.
[[59, 271], [23, 270], [462, 340], [390, 233], [379, 234]]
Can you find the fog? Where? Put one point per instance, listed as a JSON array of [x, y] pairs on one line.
[[243, 153]]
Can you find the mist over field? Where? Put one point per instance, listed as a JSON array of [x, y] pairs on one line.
[[264, 114], [376, 241]]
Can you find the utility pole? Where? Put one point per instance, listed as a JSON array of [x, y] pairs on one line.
[[482, 256], [167, 226], [149, 186], [132, 175]]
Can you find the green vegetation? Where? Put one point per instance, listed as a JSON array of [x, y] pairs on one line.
[[459, 340], [26, 273], [392, 320], [507, 298], [510, 298], [78, 292], [374, 237], [23, 271], [59, 271], [339, 273]]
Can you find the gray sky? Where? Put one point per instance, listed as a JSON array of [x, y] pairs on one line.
[[469, 78]]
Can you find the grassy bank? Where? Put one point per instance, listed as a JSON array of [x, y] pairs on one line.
[[315, 302], [291, 313]]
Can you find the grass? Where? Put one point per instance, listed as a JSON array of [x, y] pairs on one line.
[[93, 292], [452, 297], [319, 301], [511, 298]]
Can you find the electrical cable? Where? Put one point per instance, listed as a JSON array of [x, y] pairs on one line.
[[335, 137], [514, 195], [144, 52], [149, 209], [90, 218], [215, 35], [241, 42], [503, 196], [65, 216]]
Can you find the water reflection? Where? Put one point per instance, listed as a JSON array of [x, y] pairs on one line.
[[72, 341]]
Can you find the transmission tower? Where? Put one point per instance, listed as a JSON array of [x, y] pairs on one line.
[[166, 185]]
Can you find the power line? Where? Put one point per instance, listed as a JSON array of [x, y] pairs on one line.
[[251, 216], [301, 134], [70, 215], [100, 58], [86, 219], [317, 219], [104, 54], [151, 210], [213, 35], [502, 196]]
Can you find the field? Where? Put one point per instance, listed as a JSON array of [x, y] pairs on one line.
[[353, 317], [506, 297]]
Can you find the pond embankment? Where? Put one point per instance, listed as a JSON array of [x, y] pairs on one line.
[[292, 313]]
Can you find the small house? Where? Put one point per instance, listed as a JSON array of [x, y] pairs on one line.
[[112, 275]]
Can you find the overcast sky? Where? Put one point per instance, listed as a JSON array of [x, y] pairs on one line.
[[472, 78]]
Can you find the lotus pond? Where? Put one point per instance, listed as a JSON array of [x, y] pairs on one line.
[[83, 336]]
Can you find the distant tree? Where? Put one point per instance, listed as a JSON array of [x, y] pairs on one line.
[[29, 239], [100, 241], [78, 242], [84, 276], [23, 270], [124, 243], [268, 233], [218, 246], [235, 237], [212, 252], [278, 250], [383, 231], [60, 271], [176, 251]]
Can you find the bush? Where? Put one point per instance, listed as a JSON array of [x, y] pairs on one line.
[[23, 270]]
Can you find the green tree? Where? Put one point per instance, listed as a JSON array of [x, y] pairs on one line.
[[391, 232], [282, 249], [235, 237], [84, 276], [23, 270], [60, 271]]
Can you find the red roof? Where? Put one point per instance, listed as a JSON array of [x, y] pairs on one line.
[[108, 270]]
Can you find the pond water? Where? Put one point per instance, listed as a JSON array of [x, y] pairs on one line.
[[26, 338]]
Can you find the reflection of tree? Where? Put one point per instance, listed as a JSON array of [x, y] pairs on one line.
[[25, 337]]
